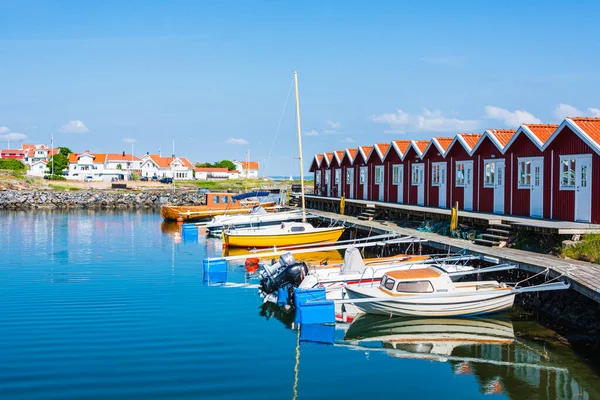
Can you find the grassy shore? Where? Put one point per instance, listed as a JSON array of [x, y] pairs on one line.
[[586, 250]]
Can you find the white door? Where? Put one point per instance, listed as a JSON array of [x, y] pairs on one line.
[[442, 186], [468, 186], [338, 182], [536, 198], [499, 187], [379, 179], [398, 180], [583, 189], [350, 182], [364, 180], [418, 175]]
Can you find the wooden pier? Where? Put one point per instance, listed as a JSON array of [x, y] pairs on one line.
[[584, 277], [388, 211]]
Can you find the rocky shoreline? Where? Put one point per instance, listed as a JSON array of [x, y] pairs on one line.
[[96, 199]]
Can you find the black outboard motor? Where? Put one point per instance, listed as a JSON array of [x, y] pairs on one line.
[[292, 274]]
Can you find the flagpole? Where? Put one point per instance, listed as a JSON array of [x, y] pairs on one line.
[[52, 151]]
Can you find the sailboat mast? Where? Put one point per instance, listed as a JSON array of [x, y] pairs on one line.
[[300, 147]]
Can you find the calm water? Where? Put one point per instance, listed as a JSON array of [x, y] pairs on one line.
[[107, 306]]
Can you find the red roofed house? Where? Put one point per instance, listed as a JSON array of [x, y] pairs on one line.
[[361, 172], [16, 154], [436, 181], [416, 168], [377, 172], [462, 174], [315, 168], [396, 179], [493, 193], [530, 177], [213, 173], [37, 152], [247, 169], [348, 174], [336, 174], [573, 154], [178, 168], [103, 167]]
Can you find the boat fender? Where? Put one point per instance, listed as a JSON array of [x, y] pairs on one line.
[[251, 264], [282, 297]]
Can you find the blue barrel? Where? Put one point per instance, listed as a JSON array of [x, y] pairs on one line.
[[312, 307], [189, 232]]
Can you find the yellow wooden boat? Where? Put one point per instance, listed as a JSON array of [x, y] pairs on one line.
[[286, 234], [216, 204]]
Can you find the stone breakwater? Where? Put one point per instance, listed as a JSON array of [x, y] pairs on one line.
[[26, 200]]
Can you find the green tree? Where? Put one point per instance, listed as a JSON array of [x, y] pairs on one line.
[[12, 164], [65, 150], [61, 162], [225, 164], [204, 165], [119, 166]]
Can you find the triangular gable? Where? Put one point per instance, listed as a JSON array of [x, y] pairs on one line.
[[468, 141], [419, 146], [381, 149], [499, 137], [537, 133], [400, 147], [350, 154], [339, 155], [316, 163], [365, 152], [440, 143], [588, 129]]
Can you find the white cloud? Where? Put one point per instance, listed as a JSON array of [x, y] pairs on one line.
[[347, 140], [428, 120], [331, 132], [4, 129], [311, 133], [511, 118], [239, 141], [130, 140], [333, 125], [14, 136], [74, 126], [563, 111]]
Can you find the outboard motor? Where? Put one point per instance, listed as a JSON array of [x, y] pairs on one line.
[[290, 275]]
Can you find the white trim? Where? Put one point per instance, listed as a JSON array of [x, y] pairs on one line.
[[577, 130], [433, 166], [551, 181], [398, 152], [521, 186], [488, 133], [413, 144]]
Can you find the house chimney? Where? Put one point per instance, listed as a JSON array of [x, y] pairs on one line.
[[123, 153]]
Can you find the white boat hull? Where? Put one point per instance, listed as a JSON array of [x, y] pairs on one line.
[[216, 226], [487, 303]]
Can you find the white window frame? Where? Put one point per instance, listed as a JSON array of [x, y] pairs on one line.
[[524, 177], [362, 177], [436, 174], [416, 172], [562, 171], [327, 173], [318, 177], [396, 175], [348, 180], [461, 178], [338, 176], [489, 177], [379, 174]]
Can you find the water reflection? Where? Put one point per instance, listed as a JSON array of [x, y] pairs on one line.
[[488, 349]]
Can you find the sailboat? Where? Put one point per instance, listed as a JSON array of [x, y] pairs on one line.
[[288, 233]]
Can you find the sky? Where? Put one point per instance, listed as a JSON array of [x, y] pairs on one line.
[[215, 77]]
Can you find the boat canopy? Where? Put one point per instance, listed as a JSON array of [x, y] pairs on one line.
[[243, 196], [258, 210]]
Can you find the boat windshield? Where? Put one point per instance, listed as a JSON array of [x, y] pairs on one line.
[[414, 287], [388, 283]]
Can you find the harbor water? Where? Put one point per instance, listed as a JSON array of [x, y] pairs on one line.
[[109, 305]]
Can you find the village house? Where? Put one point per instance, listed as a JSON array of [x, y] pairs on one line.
[[247, 169], [101, 167], [177, 168], [205, 174]]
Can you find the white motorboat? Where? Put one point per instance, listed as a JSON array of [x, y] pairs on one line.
[[257, 218], [430, 292]]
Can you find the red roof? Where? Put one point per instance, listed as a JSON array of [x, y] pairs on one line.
[[591, 126], [502, 135], [339, 154], [421, 144], [542, 131], [470, 139], [366, 150], [328, 157], [98, 158], [121, 157], [352, 153], [250, 165], [319, 158], [402, 145], [16, 151], [382, 147], [165, 162], [444, 142]]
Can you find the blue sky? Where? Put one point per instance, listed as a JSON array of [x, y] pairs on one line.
[[214, 76]]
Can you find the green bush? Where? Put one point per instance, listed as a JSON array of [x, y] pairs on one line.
[[11, 164], [587, 250], [56, 177]]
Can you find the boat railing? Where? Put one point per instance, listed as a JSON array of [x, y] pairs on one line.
[[363, 275]]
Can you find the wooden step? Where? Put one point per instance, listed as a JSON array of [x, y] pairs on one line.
[[487, 243], [501, 226], [499, 232], [491, 237]]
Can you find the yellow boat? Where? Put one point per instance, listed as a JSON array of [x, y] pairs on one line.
[[286, 234], [313, 258]]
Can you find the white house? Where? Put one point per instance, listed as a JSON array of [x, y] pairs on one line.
[[102, 167], [37, 152], [38, 168], [247, 169], [214, 174], [178, 168]]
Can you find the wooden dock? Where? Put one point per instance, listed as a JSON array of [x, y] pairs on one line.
[[393, 210], [584, 277]]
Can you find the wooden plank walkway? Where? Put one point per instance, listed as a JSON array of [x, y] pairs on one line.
[[584, 277], [534, 224]]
